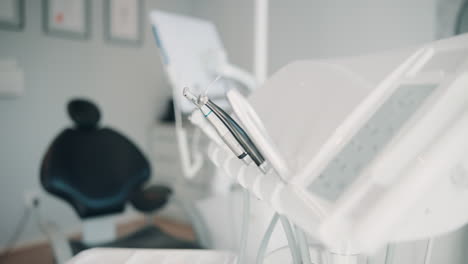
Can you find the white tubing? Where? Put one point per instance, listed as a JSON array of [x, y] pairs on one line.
[[389, 254], [303, 245], [245, 227], [291, 241], [428, 256], [266, 238], [289, 235]]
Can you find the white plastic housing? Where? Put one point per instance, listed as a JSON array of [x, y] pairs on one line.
[[369, 149]]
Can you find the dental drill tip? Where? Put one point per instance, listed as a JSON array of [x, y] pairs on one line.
[[189, 95], [186, 91]]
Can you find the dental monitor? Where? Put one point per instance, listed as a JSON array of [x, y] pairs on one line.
[[190, 49]]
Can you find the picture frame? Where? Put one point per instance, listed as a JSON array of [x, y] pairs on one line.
[[123, 22], [12, 14], [68, 19]]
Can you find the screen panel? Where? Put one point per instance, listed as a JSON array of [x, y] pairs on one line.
[[186, 44], [367, 143]]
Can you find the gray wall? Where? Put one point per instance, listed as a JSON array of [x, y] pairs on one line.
[[308, 29], [127, 83]]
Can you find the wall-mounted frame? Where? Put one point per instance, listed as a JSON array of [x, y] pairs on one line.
[[12, 14], [123, 21], [66, 18]]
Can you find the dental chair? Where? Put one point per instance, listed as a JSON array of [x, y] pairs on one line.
[[97, 171]]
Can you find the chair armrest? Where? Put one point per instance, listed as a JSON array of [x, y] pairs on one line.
[[150, 198]]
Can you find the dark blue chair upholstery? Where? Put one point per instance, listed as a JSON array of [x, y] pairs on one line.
[[97, 171]]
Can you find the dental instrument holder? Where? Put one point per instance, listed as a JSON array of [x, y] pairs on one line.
[[387, 165], [228, 129]]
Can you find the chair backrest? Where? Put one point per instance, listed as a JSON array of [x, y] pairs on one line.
[[94, 169]]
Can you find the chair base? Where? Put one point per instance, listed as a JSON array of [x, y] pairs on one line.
[[147, 237]]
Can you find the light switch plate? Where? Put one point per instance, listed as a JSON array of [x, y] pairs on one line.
[[11, 83]]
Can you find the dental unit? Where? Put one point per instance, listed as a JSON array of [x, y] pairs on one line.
[[375, 152], [363, 147], [379, 158]]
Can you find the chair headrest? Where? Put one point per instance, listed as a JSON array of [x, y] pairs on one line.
[[84, 113]]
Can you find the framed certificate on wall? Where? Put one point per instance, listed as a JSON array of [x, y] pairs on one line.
[[67, 18], [12, 14], [123, 21]]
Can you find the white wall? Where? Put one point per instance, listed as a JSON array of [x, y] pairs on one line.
[[126, 82], [321, 29], [234, 22]]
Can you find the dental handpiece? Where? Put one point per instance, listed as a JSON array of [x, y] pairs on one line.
[[219, 126], [240, 136]]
